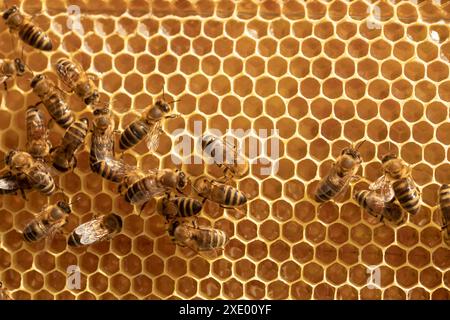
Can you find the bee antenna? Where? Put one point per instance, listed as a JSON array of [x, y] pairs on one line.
[[359, 145], [174, 101], [75, 201]]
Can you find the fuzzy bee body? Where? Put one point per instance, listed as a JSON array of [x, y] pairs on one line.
[[28, 32], [50, 220], [53, 100], [444, 206], [178, 207], [64, 155], [82, 84], [375, 205], [101, 228], [147, 127], [224, 154], [155, 184], [10, 68], [407, 195], [38, 144], [340, 175], [197, 238], [224, 195]]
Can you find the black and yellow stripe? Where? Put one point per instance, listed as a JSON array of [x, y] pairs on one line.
[[59, 110], [444, 203], [208, 239], [33, 232], [232, 196], [133, 134], [327, 189], [407, 195], [187, 207], [35, 37], [74, 240], [111, 170], [136, 193]]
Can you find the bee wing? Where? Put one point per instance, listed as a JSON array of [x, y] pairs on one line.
[[384, 187], [3, 79], [91, 232], [9, 184], [152, 139]]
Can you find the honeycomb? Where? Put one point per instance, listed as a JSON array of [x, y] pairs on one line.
[[326, 74]]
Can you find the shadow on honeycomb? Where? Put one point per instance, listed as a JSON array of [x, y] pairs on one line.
[[324, 73]]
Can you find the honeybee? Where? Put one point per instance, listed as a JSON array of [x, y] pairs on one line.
[[226, 155], [148, 126], [80, 82], [38, 144], [46, 223], [35, 173], [338, 178], [375, 205], [226, 196], [4, 294], [155, 184], [53, 100], [28, 32], [178, 207], [10, 68], [444, 204], [397, 182], [101, 228], [197, 238], [64, 155]]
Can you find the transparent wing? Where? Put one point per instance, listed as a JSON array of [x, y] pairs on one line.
[[152, 139], [9, 184], [384, 187], [91, 232]]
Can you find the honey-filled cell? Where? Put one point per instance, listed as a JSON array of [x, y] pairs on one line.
[[316, 77]]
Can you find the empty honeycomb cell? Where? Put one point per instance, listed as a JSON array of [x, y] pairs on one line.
[[326, 253], [311, 47], [344, 68], [120, 284], [290, 271], [378, 89], [292, 231], [361, 234], [441, 294], [12, 240], [304, 211], [403, 50], [348, 254], [269, 230], [430, 277], [430, 237], [394, 293], [355, 89], [55, 281], [187, 287], [358, 48], [395, 256], [245, 269], [210, 288], [33, 280], [6, 219], [328, 212], [235, 249], [43, 295], [368, 68], [332, 88], [98, 283], [313, 273], [359, 275], [368, 31], [427, 51], [277, 290], [303, 252], [425, 91], [418, 293], [279, 251], [22, 260], [232, 289], [319, 149], [222, 268]]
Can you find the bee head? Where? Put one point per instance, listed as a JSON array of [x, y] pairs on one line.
[[64, 206], [182, 180], [9, 156], [92, 98], [113, 222], [387, 157], [36, 80], [102, 120], [20, 66], [163, 106], [9, 12], [207, 139], [350, 156]]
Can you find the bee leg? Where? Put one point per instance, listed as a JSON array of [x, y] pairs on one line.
[[5, 85], [22, 192], [142, 208]]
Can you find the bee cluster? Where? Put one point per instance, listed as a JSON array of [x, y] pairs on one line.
[[389, 198], [34, 168]]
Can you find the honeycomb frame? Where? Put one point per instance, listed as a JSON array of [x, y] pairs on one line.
[[314, 71]]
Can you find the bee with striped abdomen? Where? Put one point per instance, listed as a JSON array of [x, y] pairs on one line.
[[102, 228], [154, 184], [338, 178], [148, 127], [28, 32], [46, 223], [226, 196], [80, 82], [64, 155], [4, 293], [444, 207], [10, 184], [397, 182], [30, 171], [10, 68], [178, 207], [38, 143], [225, 155], [375, 205], [101, 158], [53, 100], [197, 238]]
